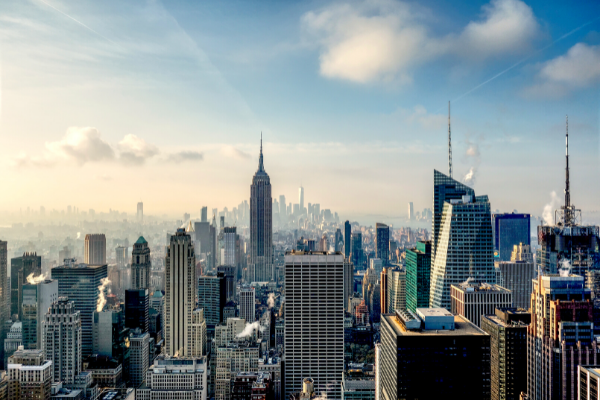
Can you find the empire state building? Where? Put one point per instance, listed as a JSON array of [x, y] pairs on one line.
[[261, 225]]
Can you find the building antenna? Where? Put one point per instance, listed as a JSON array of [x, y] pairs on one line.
[[567, 183], [449, 144]]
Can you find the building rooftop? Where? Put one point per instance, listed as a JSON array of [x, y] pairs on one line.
[[141, 240], [462, 327], [472, 286]]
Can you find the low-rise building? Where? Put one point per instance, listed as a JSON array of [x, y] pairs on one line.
[[29, 375], [175, 378]]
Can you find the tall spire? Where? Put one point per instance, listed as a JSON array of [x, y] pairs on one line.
[[568, 210], [261, 167], [449, 145]]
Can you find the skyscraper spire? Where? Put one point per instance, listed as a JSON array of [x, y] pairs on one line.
[[261, 167], [568, 210], [449, 145]]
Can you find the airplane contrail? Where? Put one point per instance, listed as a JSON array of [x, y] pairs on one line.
[[525, 59], [81, 23]]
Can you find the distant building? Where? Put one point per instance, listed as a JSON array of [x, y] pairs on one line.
[[347, 237], [516, 275], [62, 340], [204, 214], [417, 350], [95, 249], [472, 300], [248, 304], [418, 273], [510, 230], [14, 340], [314, 347], [121, 255], [140, 212], [180, 298], [141, 265], [4, 295], [356, 250], [29, 375], [382, 243], [507, 328], [175, 378]]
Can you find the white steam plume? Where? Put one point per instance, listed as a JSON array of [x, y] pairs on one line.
[[101, 297], [271, 300], [565, 268], [549, 209], [250, 329], [34, 280], [474, 154]]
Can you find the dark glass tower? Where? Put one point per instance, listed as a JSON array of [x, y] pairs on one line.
[[418, 272], [261, 224], [383, 242], [137, 305], [510, 230], [20, 268], [347, 237], [357, 252]]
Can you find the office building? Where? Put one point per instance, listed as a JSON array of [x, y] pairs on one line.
[[175, 378], [418, 274], [248, 303], [62, 340], [37, 299], [202, 239], [139, 346], [357, 251], [4, 295], [382, 242], [140, 213], [137, 308], [95, 249], [356, 385], [111, 337], [587, 388], [348, 281], [212, 293], [411, 212], [376, 264], [384, 289], [347, 237], [199, 333], [141, 265], [516, 275], [85, 285], [510, 230], [396, 296], [261, 225], [229, 254], [464, 249], [560, 336], [229, 271], [20, 269], [231, 360], [314, 346], [507, 328], [29, 375], [121, 255], [474, 299], [204, 214], [433, 346], [180, 297], [301, 198], [14, 340]]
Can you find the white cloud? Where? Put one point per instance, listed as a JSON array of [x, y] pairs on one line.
[[384, 40], [424, 118], [184, 156], [135, 151], [578, 68], [232, 152]]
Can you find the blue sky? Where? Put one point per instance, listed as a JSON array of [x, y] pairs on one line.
[[116, 101]]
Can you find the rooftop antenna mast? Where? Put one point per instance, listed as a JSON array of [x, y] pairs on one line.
[[568, 216], [449, 144]]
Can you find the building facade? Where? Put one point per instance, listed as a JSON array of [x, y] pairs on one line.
[[137, 309], [248, 303], [510, 230], [472, 300], [418, 274], [21, 268], [382, 242], [175, 378], [516, 275], [29, 375], [95, 249], [141, 265]]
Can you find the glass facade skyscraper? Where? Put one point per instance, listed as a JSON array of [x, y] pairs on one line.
[[383, 242], [20, 268], [418, 273], [510, 230]]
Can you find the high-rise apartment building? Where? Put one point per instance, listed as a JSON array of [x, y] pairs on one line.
[[560, 336], [4, 295], [37, 298], [248, 303], [510, 230], [433, 346], [137, 309], [382, 243], [314, 346], [141, 265], [21, 268], [29, 375], [516, 275], [212, 293], [95, 249], [356, 249], [83, 285], [175, 378], [140, 213], [347, 238], [261, 225], [418, 274], [464, 248], [507, 328], [472, 300], [62, 340], [180, 296]]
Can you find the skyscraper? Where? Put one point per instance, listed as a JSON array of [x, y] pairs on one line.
[[95, 249], [464, 247], [282, 206], [338, 241], [510, 230], [62, 340], [261, 225], [37, 298], [357, 252], [516, 275], [396, 296], [20, 269], [29, 375], [411, 211], [140, 212], [314, 344], [472, 300], [418, 273], [248, 304], [140, 264], [229, 253], [204, 214], [86, 287], [212, 293], [560, 336], [137, 308], [4, 295], [180, 297], [202, 239], [347, 238], [382, 243], [301, 198]]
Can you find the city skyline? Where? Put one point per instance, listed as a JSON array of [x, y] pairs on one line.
[[104, 114]]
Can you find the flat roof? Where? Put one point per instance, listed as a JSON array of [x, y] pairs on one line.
[[499, 321], [434, 312], [462, 327]]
